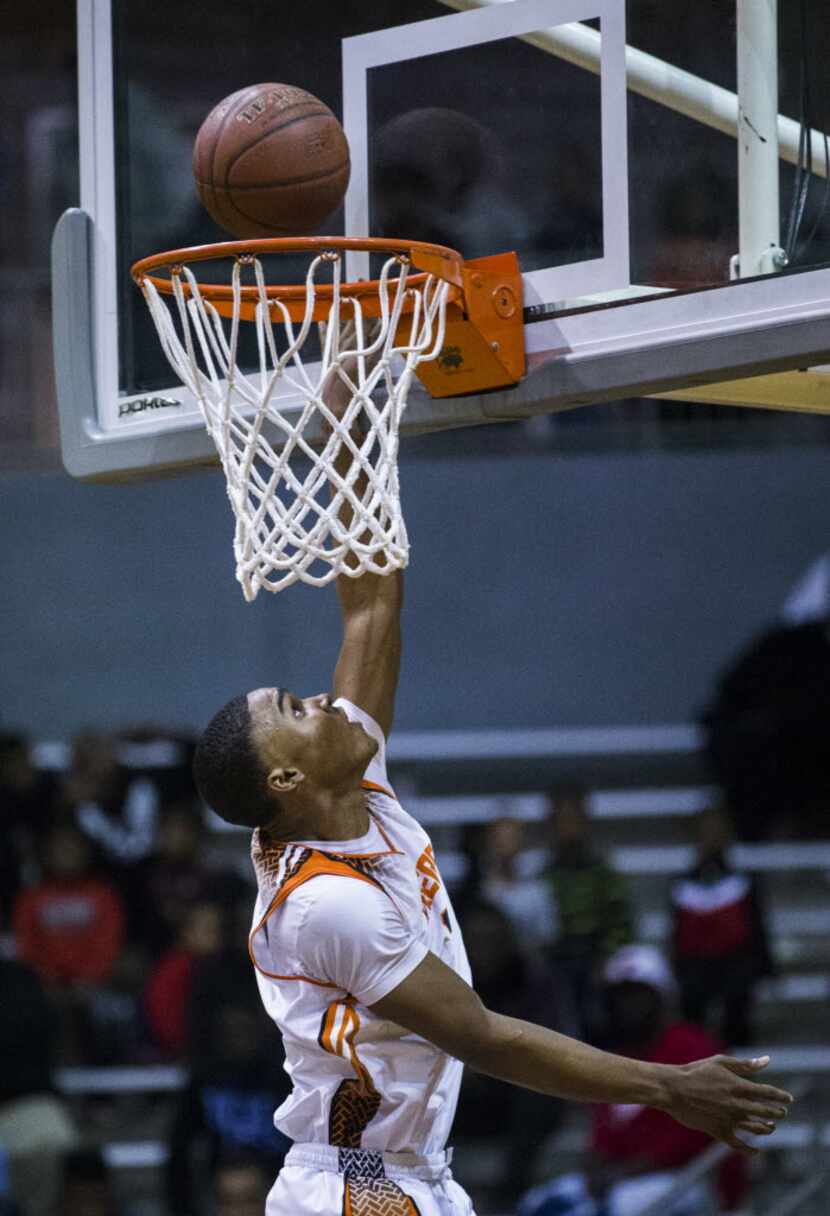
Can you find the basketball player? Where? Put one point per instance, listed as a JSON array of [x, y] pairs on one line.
[[360, 960]]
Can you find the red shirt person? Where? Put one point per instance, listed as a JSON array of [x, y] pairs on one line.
[[629, 1141], [167, 994], [719, 937], [636, 1150], [69, 927]]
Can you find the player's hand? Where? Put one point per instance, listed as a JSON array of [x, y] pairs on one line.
[[719, 1097]]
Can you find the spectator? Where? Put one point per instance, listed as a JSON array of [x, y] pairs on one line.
[[591, 907], [168, 988], [517, 983], [87, 1186], [113, 1026], [161, 756], [236, 1083], [115, 809], [223, 974], [720, 942], [70, 928], [27, 802], [35, 1130], [508, 881], [635, 1151], [241, 1186], [70, 925], [171, 879]]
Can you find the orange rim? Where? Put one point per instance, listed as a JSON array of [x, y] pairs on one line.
[[437, 260]]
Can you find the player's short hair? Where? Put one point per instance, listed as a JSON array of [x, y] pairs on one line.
[[228, 773]]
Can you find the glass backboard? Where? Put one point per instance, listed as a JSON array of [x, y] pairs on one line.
[[649, 164]]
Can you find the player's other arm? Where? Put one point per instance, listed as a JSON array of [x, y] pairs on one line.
[[370, 652], [715, 1096]]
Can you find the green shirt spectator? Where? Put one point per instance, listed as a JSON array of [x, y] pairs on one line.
[[592, 906]]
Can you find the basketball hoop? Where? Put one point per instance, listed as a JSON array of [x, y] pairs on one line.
[[297, 518]]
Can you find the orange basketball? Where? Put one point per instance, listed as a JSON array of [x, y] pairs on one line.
[[271, 160]]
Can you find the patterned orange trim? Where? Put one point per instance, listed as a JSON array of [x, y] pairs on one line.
[[356, 1100], [318, 863], [376, 1197]]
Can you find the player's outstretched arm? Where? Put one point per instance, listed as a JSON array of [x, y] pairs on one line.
[[716, 1096], [370, 653]]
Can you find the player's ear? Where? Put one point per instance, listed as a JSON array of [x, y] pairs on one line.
[[283, 780]]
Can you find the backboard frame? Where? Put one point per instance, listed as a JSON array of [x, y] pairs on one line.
[[473, 28]]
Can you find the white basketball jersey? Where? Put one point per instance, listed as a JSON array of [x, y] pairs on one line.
[[337, 926]]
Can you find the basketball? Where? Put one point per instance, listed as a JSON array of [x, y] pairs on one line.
[[271, 160]]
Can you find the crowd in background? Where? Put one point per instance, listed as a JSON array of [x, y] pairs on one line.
[[125, 920]]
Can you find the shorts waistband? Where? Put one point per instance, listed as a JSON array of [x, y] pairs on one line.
[[370, 1163]]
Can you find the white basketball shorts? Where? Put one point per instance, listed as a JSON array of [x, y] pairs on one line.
[[318, 1180]]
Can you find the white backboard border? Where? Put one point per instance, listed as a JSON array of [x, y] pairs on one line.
[[474, 28]]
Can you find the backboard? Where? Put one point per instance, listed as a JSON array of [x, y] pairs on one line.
[[642, 160]]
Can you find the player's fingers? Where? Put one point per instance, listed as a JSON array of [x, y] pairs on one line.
[[756, 1127], [755, 1091], [744, 1067], [768, 1111], [769, 1093], [748, 1068]]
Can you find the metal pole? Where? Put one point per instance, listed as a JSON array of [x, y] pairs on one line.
[[657, 80], [758, 193]]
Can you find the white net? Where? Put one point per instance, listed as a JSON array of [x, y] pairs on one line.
[[309, 450]]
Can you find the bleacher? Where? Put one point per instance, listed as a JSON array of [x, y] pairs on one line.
[[645, 787]]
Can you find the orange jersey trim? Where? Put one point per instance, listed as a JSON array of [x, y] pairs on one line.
[[377, 789], [349, 1026], [324, 1037], [318, 863]]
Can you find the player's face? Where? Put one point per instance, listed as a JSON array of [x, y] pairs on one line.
[[308, 733]]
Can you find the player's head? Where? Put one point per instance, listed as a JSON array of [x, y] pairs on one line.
[[268, 750]]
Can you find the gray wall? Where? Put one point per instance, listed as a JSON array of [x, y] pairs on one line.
[[542, 591]]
